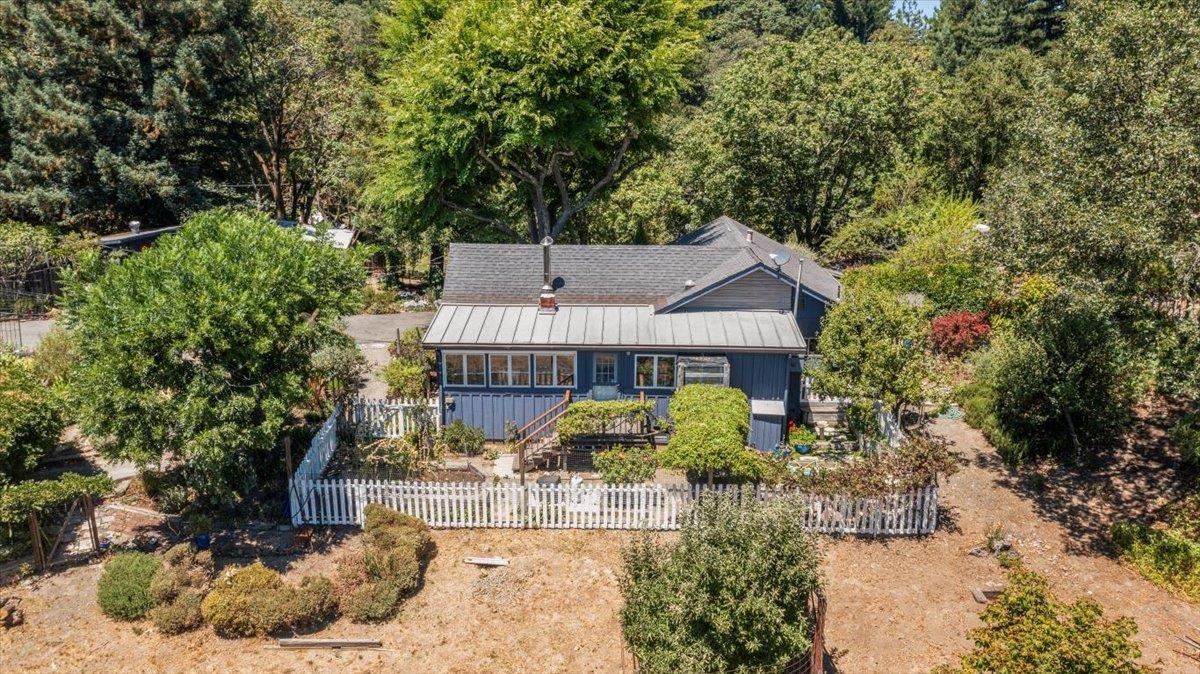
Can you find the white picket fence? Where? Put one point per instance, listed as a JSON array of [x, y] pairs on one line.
[[628, 506]]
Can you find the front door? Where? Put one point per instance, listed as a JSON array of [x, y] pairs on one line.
[[604, 377]]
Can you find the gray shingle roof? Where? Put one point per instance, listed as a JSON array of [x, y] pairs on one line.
[[506, 273], [473, 325], [725, 232], [653, 275]]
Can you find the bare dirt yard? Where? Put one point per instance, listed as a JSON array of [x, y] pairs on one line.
[[894, 606]]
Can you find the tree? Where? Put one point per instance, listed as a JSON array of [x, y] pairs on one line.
[[309, 100], [518, 114], [199, 348], [976, 117], [113, 110], [797, 135], [1062, 379], [740, 26], [32, 421], [962, 31], [709, 438], [1100, 190], [1028, 629], [731, 596], [873, 348], [860, 17]]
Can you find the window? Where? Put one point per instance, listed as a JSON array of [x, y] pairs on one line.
[[606, 369], [463, 369], [704, 370], [655, 371], [554, 369], [506, 369]]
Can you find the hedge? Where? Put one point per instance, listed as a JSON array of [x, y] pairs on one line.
[[1164, 557], [711, 427], [592, 417], [37, 496]]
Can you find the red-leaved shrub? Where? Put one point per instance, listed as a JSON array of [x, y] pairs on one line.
[[960, 332]]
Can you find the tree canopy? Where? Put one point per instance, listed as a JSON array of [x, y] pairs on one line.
[[199, 348], [517, 114]]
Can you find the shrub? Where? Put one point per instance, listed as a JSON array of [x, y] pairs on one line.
[[181, 615], [406, 379], [124, 588], [711, 427], [376, 601], [1026, 629], [1186, 434], [462, 439], [626, 465], [32, 419], [310, 603], [730, 596], [183, 568], [918, 462], [338, 372], [593, 417], [957, 333], [1165, 558], [249, 601]]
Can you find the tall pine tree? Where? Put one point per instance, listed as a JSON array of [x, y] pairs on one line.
[[963, 30], [113, 107]]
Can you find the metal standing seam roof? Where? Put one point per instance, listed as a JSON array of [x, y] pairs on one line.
[[478, 325]]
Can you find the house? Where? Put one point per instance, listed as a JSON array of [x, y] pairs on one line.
[[521, 325]]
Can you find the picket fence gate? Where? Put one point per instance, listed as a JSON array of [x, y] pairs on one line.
[[626, 506]]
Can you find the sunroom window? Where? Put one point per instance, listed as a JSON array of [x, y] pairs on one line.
[[704, 370], [507, 369], [463, 369], [554, 369], [655, 371]]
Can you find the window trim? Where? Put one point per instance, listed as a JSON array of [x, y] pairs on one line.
[[508, 369], [574, 368], [464, 383], [615, 367], [656, 357]]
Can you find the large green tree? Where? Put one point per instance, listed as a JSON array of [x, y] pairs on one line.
[[517, 114], [307, 104], [198, 348], [113, 108], [798, 134], [964, 30]]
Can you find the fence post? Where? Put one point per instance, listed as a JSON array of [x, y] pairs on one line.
[[35, 534]]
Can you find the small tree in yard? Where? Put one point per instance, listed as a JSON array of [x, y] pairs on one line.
[[730, 596], [200, 347], [711, 427], [873, 348], [30, 422], [1029, 631]]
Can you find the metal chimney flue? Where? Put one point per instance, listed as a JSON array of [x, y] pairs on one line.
[[547, 303]]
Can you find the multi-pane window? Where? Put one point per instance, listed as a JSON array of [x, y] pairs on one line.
[[704, 370], [606, 369], [554, 369], [464, 369], [655, 371], [507, 369]]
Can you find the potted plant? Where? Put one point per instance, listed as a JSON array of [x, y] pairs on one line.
[[802, 438], [200, 527]]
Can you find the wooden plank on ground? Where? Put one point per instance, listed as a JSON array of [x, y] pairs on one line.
[[330, 643], [487, 561]]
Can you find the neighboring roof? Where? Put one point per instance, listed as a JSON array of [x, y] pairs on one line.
[[134, 240], [475, 325], [481, 273], [725, 232]]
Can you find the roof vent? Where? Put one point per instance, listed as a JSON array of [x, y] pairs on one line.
[[135, 226], [689, 284], [547, 303], [749, 236]]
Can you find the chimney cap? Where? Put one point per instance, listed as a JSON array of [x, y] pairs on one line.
[[547, 241]]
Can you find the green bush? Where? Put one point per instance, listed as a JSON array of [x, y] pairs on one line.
[[310, 603], [124, 588], [462, 439], [181, 614], [183, 569], [711, 427], [1165, 558], [32, 419], [626, 465], [374, 601], [406, 379], [1186, 434], [1026, 629], [371, 585], [592, 417], [731, 596], [248, 601]]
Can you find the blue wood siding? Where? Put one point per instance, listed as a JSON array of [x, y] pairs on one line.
[[808, 317], [760, 376]]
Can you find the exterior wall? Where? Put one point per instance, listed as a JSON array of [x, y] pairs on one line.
[[761, 376], [756, 290], [808, 316]]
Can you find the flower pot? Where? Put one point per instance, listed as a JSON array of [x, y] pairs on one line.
[[201, 541], [802, 449]]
